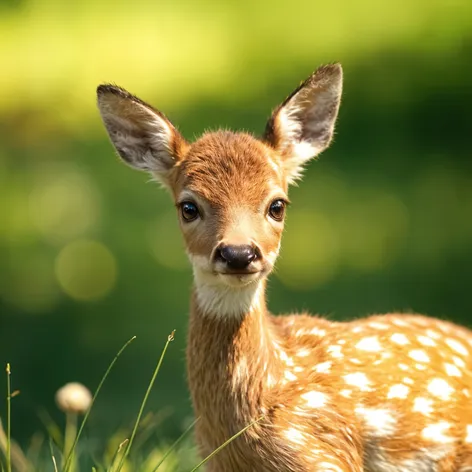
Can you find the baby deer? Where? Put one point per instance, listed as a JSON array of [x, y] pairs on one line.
[[386, 393]]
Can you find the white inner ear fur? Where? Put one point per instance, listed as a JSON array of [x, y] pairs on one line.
[[306, 124], [141, 137]]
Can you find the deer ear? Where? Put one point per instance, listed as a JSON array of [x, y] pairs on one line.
[[303, 125], [144, 138]]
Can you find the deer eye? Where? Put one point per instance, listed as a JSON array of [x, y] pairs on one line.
[[277, 210], [189, 211]]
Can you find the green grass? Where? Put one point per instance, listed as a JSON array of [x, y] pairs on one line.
[[180, 456]]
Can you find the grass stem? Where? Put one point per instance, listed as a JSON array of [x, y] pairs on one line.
[[170, 338], [176, 443], [8, 451], [218, 449], [76, 440]]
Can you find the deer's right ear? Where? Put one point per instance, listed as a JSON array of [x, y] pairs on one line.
[[303, 125], [144, 138]]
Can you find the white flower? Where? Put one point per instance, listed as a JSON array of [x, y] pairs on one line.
[[74, 398]]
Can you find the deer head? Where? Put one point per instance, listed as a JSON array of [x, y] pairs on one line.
[[230, 189]]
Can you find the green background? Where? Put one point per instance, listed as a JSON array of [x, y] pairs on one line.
[[90, 253]]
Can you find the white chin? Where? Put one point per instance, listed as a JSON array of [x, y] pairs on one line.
[[239, 280]]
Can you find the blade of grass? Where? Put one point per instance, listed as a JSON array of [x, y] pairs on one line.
[[74, 445], [51, 427], [218, 449], [19, 462], [117, 455], [170, 338], [176, 443], [52, 456], [8, 452]]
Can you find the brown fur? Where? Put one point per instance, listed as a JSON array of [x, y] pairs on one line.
[[387, 393]]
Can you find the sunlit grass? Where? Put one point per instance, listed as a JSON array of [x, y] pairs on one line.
[[8, 448], [77, 437], [170, 338], [119, 461]]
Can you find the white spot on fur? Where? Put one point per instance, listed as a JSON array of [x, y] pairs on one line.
[[289, 376], [399, 338], [335, 351], [359, 380], [398, 391], [303, 353], [466, 393], [298, 369], [288, 360], [420, 366], [452, 370], [353, 360], [435, 432], [440, 388], [378, 325], [295, 435], [345, 393], [401, 323], [468, 438], [370, 344], [407, 380], [314, 399], [423, 406], [380, 422], [402, 366], [457, 346], [324, 367], [433, 334], [458, 361], [318, 331], [419, 355], [426, 341]]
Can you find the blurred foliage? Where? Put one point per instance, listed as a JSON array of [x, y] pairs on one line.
[[90, 254]]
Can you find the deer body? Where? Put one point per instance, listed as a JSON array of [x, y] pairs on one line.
[[387, 393]]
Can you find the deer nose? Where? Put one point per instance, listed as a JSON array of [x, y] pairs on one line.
[[236, 257]]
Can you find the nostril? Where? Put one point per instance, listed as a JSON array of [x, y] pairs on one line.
[[237, 257]]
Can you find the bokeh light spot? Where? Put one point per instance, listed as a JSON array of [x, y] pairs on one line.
[[30, 285], [310, 251], [64, 205], [372, 230], [86, 270], [166, 242]]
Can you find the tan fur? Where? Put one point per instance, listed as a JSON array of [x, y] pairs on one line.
[[386, 393]]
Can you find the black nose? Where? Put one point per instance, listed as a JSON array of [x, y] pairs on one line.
[[236, 257]]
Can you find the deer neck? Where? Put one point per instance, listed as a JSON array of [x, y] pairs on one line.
[[231, 357]]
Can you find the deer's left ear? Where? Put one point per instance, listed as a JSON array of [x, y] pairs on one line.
[[303, 125]]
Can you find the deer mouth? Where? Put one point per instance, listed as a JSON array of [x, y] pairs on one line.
[[239, 272], [239, 278]]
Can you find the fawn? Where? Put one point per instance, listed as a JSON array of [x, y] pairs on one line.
[[386, 393]]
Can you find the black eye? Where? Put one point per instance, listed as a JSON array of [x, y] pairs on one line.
[[277, 210], [189, 211]]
